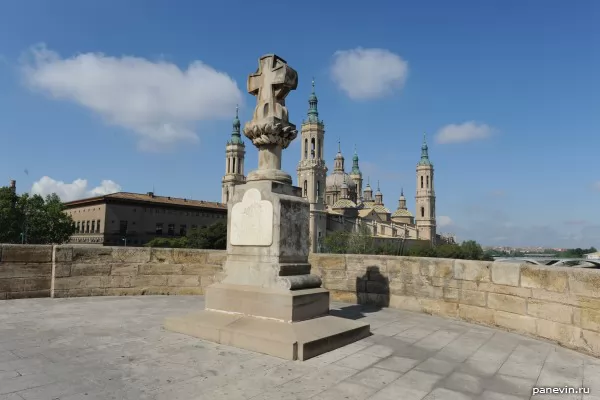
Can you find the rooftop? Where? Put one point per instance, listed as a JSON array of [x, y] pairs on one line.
[[148, 198], [80, 348]]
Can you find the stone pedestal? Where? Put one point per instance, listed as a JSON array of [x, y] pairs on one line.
[[269, 301]]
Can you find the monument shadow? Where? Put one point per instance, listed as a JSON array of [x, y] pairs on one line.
[[372, 294]]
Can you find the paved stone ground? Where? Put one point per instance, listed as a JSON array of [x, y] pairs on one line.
[[115, 348]]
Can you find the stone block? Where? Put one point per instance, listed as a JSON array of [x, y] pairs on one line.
[[469, 270], [549, 278], [76, 282], [584, 281], [439, 307], [200, 269], [24, 284], [124, 269], [374, 299], [348, 285], [503, 289], [408, 303], [30, 294], [216, 257], [333, 274], [566, 335], [206, 281], [550, 311], [328, 261], [90, 269], [26, 253], [515, 322], [189, 256], [118, 281], [591, 342], [507, 303], [588, 302], [25, 270], [183, 280], [472, 297], [62, 270], [506, 273], [160, 269], [161, 256], [85, 292], [403, 265], [362, 263], [589, 319], [437, 267], [343, 296], [451, 294], [131, 254], [189, 291], [63, 254], [149, 280], [94, 255], [476, 314], [3, 295], [120, 291], [563, 298]]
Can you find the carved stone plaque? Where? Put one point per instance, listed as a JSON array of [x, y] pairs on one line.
[[252, 221]]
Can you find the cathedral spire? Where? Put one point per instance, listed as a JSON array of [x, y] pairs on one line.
[[313, 112], [355, 168], [236, 138], [424, 153]]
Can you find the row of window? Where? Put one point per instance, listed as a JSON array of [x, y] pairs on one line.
[[186, 213], [422, 187], [171, 229], [315, 149], [87, 226]]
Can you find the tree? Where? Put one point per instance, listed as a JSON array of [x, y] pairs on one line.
[[471, 250], [422, 250], [210, 237], [449, 251], [336, 242], [361, 241], [33, 220]]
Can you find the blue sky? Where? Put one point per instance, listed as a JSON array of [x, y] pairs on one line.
[[142, 92]]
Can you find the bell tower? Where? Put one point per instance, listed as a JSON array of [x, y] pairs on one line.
[[312, 170], [425, 197], [235, 150]]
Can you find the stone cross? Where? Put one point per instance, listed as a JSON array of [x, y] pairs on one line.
[[273, 81], [270, 129]]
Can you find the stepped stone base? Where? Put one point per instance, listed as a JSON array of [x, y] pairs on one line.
[[293, 341]]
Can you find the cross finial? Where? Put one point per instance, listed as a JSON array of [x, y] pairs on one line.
[[401, 191], [237, 109], [313, 84], [378, 185], [355, 148], [339, 145], [424, 138]]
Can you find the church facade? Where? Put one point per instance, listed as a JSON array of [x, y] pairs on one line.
[[337, 199]]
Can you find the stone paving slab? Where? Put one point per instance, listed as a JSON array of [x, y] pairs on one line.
[[104, 348]]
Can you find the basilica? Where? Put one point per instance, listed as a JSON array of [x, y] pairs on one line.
[[337, 199]]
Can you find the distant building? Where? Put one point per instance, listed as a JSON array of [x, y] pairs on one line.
[[593, 256], [133, 219]]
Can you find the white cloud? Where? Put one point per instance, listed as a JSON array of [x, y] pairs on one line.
[[78, 189], [465, 132], [443, 221], [368, 73], [156, 100]]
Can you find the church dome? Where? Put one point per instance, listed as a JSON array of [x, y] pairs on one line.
[[337, 179], [402, 213], [380, 209], [344, 203]]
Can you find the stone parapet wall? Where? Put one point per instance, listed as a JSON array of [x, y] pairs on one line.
[[117, 271], [25, 271], [559, 304], [556, 303]]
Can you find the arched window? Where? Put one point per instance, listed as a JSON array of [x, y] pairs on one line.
[[305, 149], [266, 110], [305, 188], [239, 171], [312, 148], [228, 165], [319, 149], [427, 181], [318, 189], [421, 182], [233, 165], [423, 212]]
